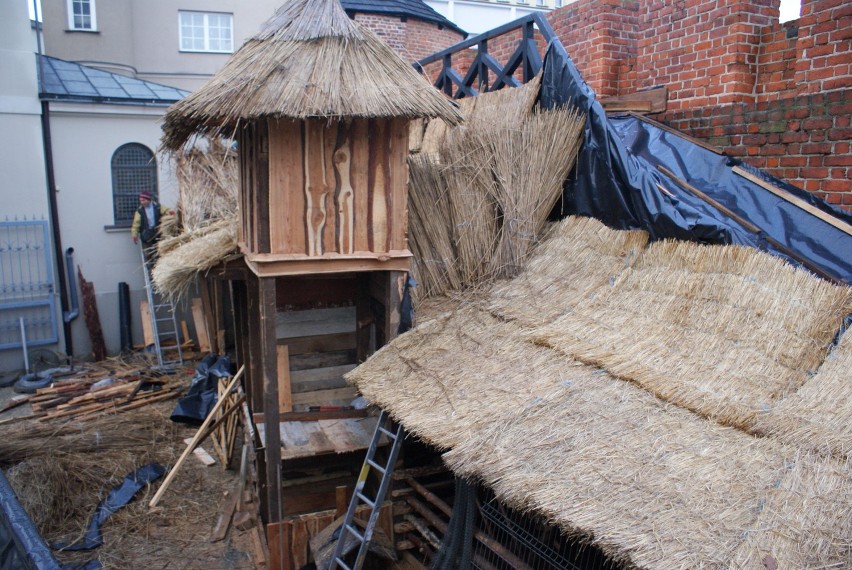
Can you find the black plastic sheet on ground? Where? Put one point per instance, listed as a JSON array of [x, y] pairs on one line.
[[204, 390], [616, 180], [21, 545], [116, 499]]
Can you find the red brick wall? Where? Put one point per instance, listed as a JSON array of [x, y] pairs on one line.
[[778, 96], [412, 39]]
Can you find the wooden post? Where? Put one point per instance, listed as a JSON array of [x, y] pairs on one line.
[[269, 365]]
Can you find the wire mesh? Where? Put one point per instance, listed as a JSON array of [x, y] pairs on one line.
[[528, 542]]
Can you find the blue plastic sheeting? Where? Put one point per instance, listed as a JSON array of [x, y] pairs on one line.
[[616, 180], [116, 499], [21, 546]]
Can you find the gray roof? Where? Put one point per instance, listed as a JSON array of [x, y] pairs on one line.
[[68, 81], [411, 8]]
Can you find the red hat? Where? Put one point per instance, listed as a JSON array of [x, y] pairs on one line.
[[146, 195]]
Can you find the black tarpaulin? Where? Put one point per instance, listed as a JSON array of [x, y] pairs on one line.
[[616, 181]]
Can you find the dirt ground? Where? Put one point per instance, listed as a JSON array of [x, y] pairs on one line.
[[60, 477]]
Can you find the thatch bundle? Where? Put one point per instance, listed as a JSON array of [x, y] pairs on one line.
[[579, 256], [192, 253], [500, 174], [309, 60], [208, 180], [724, 331], [650, 483], [819, 415]]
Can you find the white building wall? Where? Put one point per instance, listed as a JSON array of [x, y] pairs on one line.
[[23, 181], [477, 16], [88, 135]]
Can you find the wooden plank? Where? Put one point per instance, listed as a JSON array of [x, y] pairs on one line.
[[314, 322], [315, 416], [344, 196], [201, 453], [339, 396], [319, 379], [359, 177], [208, 306], [261, 171], [398, 183], [145, 319], [388, 261], [223, 520], [316, 187], [329, 239], [320, 343], [648, 101], [322, 359], [796, 201], [277, 539], [286, 202], [285, 397], [379, 186]]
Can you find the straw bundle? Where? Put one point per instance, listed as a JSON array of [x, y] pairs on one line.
[[197, 251], [309, 60], [578, 257], [453, 402], [652, 484], [208, 181], [818, 415], [527, 189], [430, 238], [724, 331]]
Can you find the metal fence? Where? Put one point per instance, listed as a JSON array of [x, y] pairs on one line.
[[26, 284]]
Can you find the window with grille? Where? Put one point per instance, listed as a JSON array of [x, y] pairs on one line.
[[206, 32], [134, 169], [81, 15]]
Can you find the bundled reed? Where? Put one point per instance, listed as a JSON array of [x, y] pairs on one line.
[[208, 179], [502, 173], [818, 415], [650, 483], [431, 238], [192, 253], [309, 60], [579, 256], [724, 331]]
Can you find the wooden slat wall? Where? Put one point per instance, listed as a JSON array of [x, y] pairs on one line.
[[337, 187]]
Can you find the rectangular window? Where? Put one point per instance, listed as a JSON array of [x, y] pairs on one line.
[[81, 15], [206, 31]]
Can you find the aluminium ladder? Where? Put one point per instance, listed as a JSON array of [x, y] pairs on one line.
[[164, 324], [384, 427]]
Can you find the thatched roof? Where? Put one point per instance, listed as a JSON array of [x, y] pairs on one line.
[[309, 60], [628, 417]]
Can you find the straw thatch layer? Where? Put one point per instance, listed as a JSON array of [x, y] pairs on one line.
[[208, 181], [650, 483], [192, 253], [722, 330], [310, 60], [579, 256], [819, 415]]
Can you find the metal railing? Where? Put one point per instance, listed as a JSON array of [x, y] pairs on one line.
[[27, 287]]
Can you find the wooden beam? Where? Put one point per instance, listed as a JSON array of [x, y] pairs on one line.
[[317, 416], [269, 365], [145, 316], [796, 201], [648, 101]]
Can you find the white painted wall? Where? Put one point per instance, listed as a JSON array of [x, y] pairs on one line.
[[85, 137], [23, 182], [477, 16]]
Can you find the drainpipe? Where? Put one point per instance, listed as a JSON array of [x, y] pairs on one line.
[[67, 315]]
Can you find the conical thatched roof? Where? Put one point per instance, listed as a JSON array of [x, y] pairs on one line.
[[309, 60]]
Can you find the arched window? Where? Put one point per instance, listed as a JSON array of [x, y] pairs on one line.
[[134, 169]]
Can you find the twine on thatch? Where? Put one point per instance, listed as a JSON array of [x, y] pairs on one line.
[[650, 483], [192, 253], [309, 61], [724, 331], [579, 256], [818, 416]]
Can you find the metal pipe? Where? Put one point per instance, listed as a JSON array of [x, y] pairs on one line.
[[69, 316], [24, 346]]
